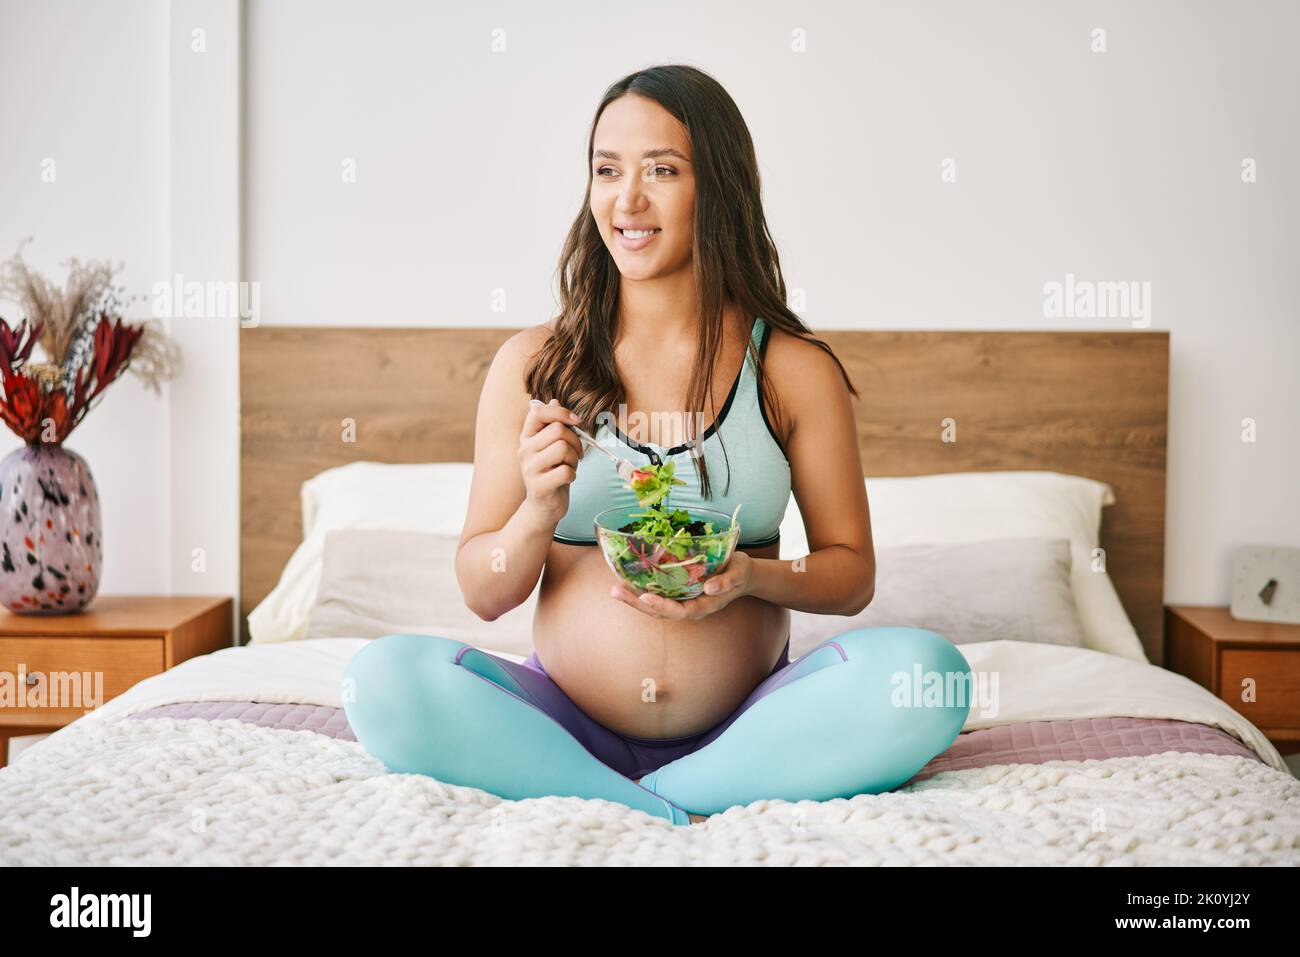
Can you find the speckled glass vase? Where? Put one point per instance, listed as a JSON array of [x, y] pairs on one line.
[[51, 549]]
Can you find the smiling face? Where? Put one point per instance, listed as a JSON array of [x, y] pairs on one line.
[[642, 177]]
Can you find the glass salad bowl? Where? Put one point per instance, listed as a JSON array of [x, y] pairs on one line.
[[675, 566]]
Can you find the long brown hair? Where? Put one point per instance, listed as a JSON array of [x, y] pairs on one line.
[[733, 256]]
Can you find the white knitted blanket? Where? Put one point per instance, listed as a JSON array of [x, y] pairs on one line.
[[162, 790], [169, 791]]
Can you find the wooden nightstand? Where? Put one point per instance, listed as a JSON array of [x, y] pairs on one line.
[[1208, 645], [65, 661]]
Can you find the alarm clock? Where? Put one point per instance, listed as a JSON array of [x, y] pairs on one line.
[[1266, 584]]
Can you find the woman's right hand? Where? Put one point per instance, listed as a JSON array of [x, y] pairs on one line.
[[548, 459]]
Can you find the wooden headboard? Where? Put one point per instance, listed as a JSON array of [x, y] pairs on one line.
[[1085, 403]]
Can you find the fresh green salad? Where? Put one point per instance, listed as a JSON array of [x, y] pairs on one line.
[[658, 551]]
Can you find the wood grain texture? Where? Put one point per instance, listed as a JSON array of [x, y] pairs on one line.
[[122, 638], [1227, 655], [1275, 679], [122, 662], [1217, 622], [1084, 403], [121, 615]]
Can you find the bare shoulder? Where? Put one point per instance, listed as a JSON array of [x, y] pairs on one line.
[[526, 343], [803, 374], [505, 392], [514, 355]]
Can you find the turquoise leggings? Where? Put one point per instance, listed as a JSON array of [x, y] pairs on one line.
[[847, 718]]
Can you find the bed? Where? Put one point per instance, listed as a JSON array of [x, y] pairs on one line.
[[1086, 752]]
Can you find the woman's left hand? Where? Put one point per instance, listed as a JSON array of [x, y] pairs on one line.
[[730, 583]]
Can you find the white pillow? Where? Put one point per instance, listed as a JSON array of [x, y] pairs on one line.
[[955, 507], [933, 509], [430, 497], [1011, 589], [378, 581], [424, 497]]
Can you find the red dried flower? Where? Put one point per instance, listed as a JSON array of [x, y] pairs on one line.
[[34, 394]]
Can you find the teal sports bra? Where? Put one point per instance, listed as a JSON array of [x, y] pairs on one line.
[[760, 471]]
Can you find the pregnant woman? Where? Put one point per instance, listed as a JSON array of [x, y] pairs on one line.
[[671, 298]]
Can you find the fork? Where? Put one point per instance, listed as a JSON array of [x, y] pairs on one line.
[[625, 468]]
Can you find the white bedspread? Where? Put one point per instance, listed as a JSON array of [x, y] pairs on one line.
[[163, 790]]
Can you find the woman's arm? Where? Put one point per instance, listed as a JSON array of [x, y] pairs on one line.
[[838, 576], [498, 570], [505, 541], [816, 583]]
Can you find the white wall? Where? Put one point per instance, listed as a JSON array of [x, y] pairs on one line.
[[86, 85], [206, 43], [1115, 166], [1123, 165], [144, 132]]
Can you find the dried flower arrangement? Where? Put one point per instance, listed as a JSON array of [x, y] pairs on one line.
[[51, 541], [87, 346]]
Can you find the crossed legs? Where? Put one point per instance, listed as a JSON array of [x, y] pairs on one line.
[[845, 721], [833, 723], [425, 704]]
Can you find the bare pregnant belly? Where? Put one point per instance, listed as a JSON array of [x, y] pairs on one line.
[[646, 676]]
